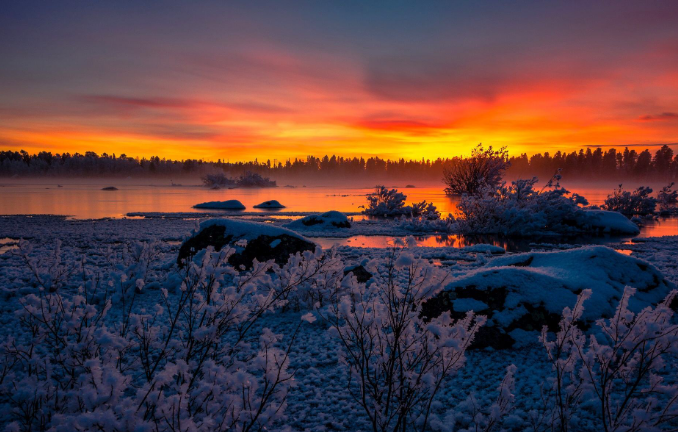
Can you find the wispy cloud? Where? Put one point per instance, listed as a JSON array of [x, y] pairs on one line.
[[662, 116]]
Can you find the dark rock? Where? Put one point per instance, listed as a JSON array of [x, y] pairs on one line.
[[360, 273], [328, 220], [261, 249], [263, 242]]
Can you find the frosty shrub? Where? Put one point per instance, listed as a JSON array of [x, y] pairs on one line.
[[667, 198], [490, 419], [519, 209], [482, 170], [217, 180], [389, 203], [638, 202], [396, 361], [93, 359], [309, 279], [50, 274], [251, 179], [617, 370], [423, 225]]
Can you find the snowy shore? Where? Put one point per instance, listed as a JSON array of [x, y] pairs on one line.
[[319, 400]]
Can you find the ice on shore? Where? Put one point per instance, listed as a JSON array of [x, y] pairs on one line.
[[221, 205]]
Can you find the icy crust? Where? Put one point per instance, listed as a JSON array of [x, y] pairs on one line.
[[608, 222], [520, 284], [331, 220], [221, 205], [272, 204]]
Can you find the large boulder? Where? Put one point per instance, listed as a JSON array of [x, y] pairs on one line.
[[330, 220], [264, 242], [272, 204], [521, 293]]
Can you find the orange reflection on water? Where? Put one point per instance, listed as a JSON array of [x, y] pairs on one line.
[[624, 251]]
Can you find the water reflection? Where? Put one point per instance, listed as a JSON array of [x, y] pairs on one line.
[[7, 244], [663, 226], [511, 244]]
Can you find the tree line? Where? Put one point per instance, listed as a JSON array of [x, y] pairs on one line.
[[587, 164]]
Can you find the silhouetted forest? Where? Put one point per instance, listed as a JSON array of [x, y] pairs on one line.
[[585, 164]]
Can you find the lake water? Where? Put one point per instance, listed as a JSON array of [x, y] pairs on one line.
[[89, 201]]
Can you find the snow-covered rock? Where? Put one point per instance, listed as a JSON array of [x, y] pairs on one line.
[[272, 204], [250, 239], [221, 205], [527, 291], [328, 220], [608, 222]]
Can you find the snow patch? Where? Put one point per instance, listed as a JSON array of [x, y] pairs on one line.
[[246, 230], [608, 222]]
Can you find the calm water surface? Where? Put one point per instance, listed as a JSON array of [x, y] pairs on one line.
[[88, 201]]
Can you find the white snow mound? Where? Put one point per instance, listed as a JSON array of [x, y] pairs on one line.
[[221, 205], [608, 222], [246, 230], [552, 280]]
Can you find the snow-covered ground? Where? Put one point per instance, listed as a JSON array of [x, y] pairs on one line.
[[319, 400]]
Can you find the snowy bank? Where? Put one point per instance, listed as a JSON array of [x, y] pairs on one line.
[[221, 205]]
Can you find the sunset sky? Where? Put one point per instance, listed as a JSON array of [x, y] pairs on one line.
[[244, 80]]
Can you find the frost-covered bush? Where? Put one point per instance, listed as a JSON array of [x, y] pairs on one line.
[[217, 180], [617, 370], [309, 280], [389, 203], [638, 202], [667, 198], [519, 209], [252, 179], [470, 413], [93, 358], [397, 362], [472, 175], [423, 225]]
